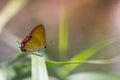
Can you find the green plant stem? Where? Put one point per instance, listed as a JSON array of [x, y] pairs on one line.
[[39, 70], [63, 35]]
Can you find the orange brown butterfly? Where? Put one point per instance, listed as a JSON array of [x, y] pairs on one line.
[[35, 40]]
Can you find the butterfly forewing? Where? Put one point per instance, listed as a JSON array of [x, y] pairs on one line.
[[38, 39]]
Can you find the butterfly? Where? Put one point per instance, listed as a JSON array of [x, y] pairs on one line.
[[35, 40]]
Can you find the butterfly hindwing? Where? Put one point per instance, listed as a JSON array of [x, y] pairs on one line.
[[37, 40]]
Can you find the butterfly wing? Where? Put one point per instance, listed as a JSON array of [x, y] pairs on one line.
[[37, 40]]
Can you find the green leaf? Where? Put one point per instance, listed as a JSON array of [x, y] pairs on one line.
[[38, 67], [83, 56], [93, 76], [18, 57], [54, 63], [22, 70]]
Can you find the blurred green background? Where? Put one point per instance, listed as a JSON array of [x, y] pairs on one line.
[[89, 22]]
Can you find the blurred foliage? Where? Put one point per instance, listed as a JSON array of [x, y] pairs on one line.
[[63, 35], [18, 69], [93, 76], [60, 70]]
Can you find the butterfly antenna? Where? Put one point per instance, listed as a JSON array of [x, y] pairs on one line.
[[19, 42]]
